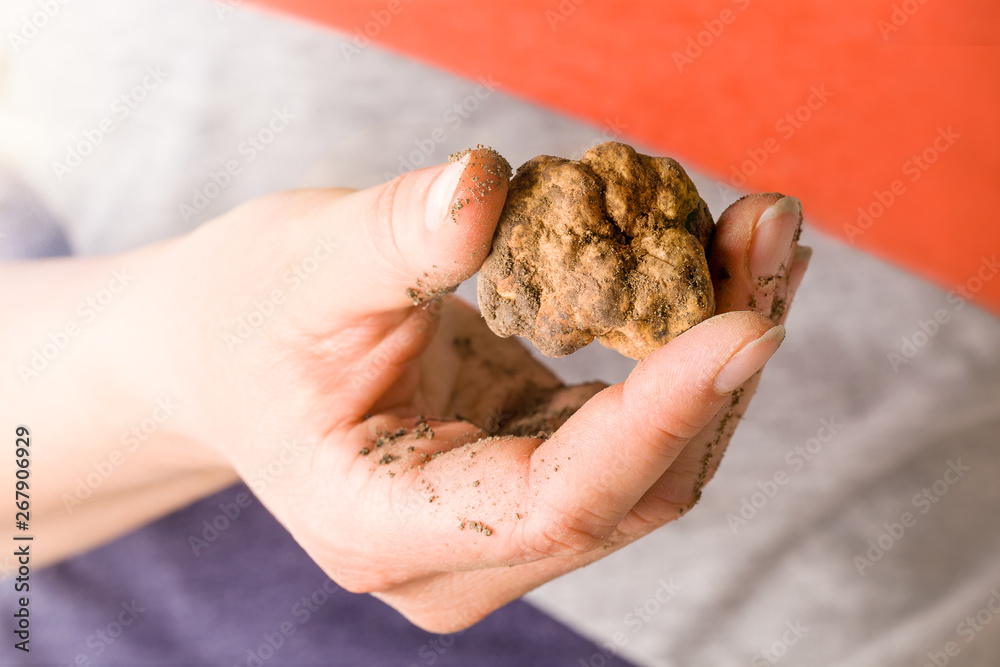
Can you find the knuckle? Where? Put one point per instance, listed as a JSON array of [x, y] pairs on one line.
[[386, 225], [646, 520], [383, 213], [561, 533], [677, 427]]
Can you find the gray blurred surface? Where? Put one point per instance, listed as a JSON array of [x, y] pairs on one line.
[[898, 431]]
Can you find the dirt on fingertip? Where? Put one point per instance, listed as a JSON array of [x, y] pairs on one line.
[[487, 171]]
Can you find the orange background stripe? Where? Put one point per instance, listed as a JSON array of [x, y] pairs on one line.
[[887, 106]]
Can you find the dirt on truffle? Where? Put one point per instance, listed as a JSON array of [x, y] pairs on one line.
[[612, 247]]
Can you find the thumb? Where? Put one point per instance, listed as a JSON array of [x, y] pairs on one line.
[[422, 233]]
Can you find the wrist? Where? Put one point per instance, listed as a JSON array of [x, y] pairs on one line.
[[95, 375]]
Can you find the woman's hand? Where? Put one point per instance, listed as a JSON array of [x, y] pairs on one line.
[[432, 463], [441, 467]]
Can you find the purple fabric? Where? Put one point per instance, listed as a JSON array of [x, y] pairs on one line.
[[27, 228], [147, 598]]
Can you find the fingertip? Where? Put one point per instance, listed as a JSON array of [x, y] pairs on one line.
[[695, 357], [464, 233], [749, 359], [749, 207], [726, 330], [421, 234], [482, 189]]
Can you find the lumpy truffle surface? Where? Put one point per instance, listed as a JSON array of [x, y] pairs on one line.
[[612, 247]]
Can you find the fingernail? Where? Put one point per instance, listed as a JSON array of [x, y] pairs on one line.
[[771, 245], [442, 194], [800, 262], [750, 359]]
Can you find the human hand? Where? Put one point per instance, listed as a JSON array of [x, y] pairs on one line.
[[440, 467]]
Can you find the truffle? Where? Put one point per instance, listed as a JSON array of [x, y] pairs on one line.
[[612, 247]]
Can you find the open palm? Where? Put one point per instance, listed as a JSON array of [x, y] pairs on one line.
[[445, 469]]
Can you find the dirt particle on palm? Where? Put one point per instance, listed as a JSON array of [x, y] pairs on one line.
[[423, 430], [384, 438], [477, 526]]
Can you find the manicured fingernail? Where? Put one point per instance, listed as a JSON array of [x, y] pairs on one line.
[[750, 359], [771, 245], [442, 194]]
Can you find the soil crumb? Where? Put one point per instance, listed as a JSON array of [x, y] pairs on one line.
[[476, 526], [423, 430]]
